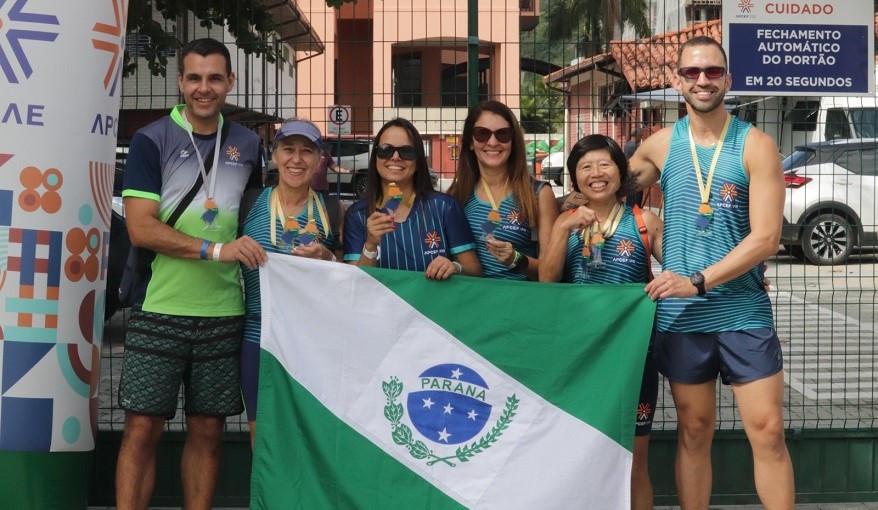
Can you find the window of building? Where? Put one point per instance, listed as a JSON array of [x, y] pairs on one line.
[[803, 116], [407, 79]]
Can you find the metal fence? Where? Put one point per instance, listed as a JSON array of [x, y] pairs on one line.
[[387, 58]]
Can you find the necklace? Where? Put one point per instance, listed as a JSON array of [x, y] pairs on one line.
[[705, 211], [594, 236]]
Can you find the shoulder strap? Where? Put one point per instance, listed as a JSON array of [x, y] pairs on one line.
[[644, 235], [208, 166], [537, 185]]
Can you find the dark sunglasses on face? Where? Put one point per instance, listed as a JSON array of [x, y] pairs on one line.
[[385, 151], [693, 73], [482, 134]]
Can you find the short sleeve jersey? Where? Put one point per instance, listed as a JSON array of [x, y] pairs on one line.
[[163, 166], [434, 227], [741, 303], [624, 256]]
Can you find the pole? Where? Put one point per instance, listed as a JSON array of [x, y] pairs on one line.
[[472, 56]]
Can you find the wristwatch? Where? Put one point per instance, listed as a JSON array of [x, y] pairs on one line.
[[519, 263], [697, 279], [372, 255]]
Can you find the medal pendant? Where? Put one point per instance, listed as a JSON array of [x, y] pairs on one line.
[[211, 211]]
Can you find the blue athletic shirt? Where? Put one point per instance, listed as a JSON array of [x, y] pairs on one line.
[[163, 166], [256, 226], [624, 256], [741, 303], [435, 226], [512, 229]]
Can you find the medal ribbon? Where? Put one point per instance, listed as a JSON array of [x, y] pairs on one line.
[[491, 195], [278, 212], [609, 228], [704, 187], [216, 153]]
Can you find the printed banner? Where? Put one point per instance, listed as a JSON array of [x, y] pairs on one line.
[[381, 389], [60, 79]]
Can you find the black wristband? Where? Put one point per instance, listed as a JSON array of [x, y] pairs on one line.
[[522, 264]]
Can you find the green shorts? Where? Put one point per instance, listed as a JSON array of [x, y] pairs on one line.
[[163, 351]]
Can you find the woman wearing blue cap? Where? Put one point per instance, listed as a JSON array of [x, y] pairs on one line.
[[287, 218]]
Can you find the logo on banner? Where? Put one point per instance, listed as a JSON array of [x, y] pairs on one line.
[[21, 26], [450, 405], [745, 6], [112, 41]]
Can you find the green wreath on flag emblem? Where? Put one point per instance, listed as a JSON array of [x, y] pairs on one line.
[[402, 434]]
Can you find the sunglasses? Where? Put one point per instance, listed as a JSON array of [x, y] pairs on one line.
[[482, 134], [386, 151], [693, 73]]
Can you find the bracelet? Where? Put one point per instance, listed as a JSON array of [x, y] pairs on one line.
[[371, 255], [216, 251], [204, 245], [458, 269]]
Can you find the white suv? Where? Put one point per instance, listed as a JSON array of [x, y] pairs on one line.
[[830, 204]]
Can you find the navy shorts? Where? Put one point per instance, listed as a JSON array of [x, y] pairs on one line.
[[648, 396], [737, 356]]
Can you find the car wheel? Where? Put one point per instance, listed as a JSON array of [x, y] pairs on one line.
[[360, 186], [827, 240]]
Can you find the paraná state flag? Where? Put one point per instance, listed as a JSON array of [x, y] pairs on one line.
[[382, 389]]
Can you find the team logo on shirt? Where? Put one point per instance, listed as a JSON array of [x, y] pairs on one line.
[[448, 404], [643, 412], [432, 240], [625, 248], [728, 192], [514, 217], [233, 153]]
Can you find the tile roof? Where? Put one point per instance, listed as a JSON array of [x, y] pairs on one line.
[[649, 64]]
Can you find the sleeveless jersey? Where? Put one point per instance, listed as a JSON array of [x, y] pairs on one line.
[[740, 303], [512, 229], [624, 256], [435, 226], [257, 227]]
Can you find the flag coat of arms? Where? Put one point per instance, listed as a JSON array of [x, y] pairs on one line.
[[381, 389]]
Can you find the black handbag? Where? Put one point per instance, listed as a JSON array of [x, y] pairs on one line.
[[138, 265]]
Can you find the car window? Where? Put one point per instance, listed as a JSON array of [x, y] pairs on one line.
[[865, 122], [797, 159], [837, 125], [860, 162], [346, 149]]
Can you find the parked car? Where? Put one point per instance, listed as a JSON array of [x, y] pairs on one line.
[[552, 168], [119, 245], [830, 205]]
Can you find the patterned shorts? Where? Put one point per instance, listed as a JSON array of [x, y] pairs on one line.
[[163, 351]]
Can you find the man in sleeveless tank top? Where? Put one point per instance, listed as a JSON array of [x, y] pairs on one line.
[[187, 327], [724, 196]]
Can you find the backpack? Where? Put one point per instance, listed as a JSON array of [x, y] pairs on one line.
[[644, 235]]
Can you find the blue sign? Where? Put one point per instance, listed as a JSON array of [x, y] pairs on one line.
[[806, 59]]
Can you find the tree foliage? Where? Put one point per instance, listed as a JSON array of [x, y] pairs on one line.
[[594, 21], [247, 20]]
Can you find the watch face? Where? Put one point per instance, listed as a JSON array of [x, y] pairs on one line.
[[697, 279]]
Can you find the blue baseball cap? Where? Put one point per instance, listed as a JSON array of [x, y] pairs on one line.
[[301, 128]]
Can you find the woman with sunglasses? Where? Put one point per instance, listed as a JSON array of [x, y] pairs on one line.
[[402, 223], [608, 242], [288, 218], [509, 212]]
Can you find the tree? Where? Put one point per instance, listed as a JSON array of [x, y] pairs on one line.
[[593, 23], [247, 20]]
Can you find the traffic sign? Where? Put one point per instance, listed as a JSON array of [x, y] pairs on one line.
[[339, 119]]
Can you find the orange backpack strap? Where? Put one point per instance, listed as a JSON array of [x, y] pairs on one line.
[[644, 235]]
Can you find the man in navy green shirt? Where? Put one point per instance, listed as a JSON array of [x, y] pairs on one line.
[[187, 326]]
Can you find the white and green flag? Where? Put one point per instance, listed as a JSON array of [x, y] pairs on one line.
[[382, 389]]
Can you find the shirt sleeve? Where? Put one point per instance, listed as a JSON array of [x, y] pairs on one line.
[[354, 233], [143, 169], [457, 229]]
